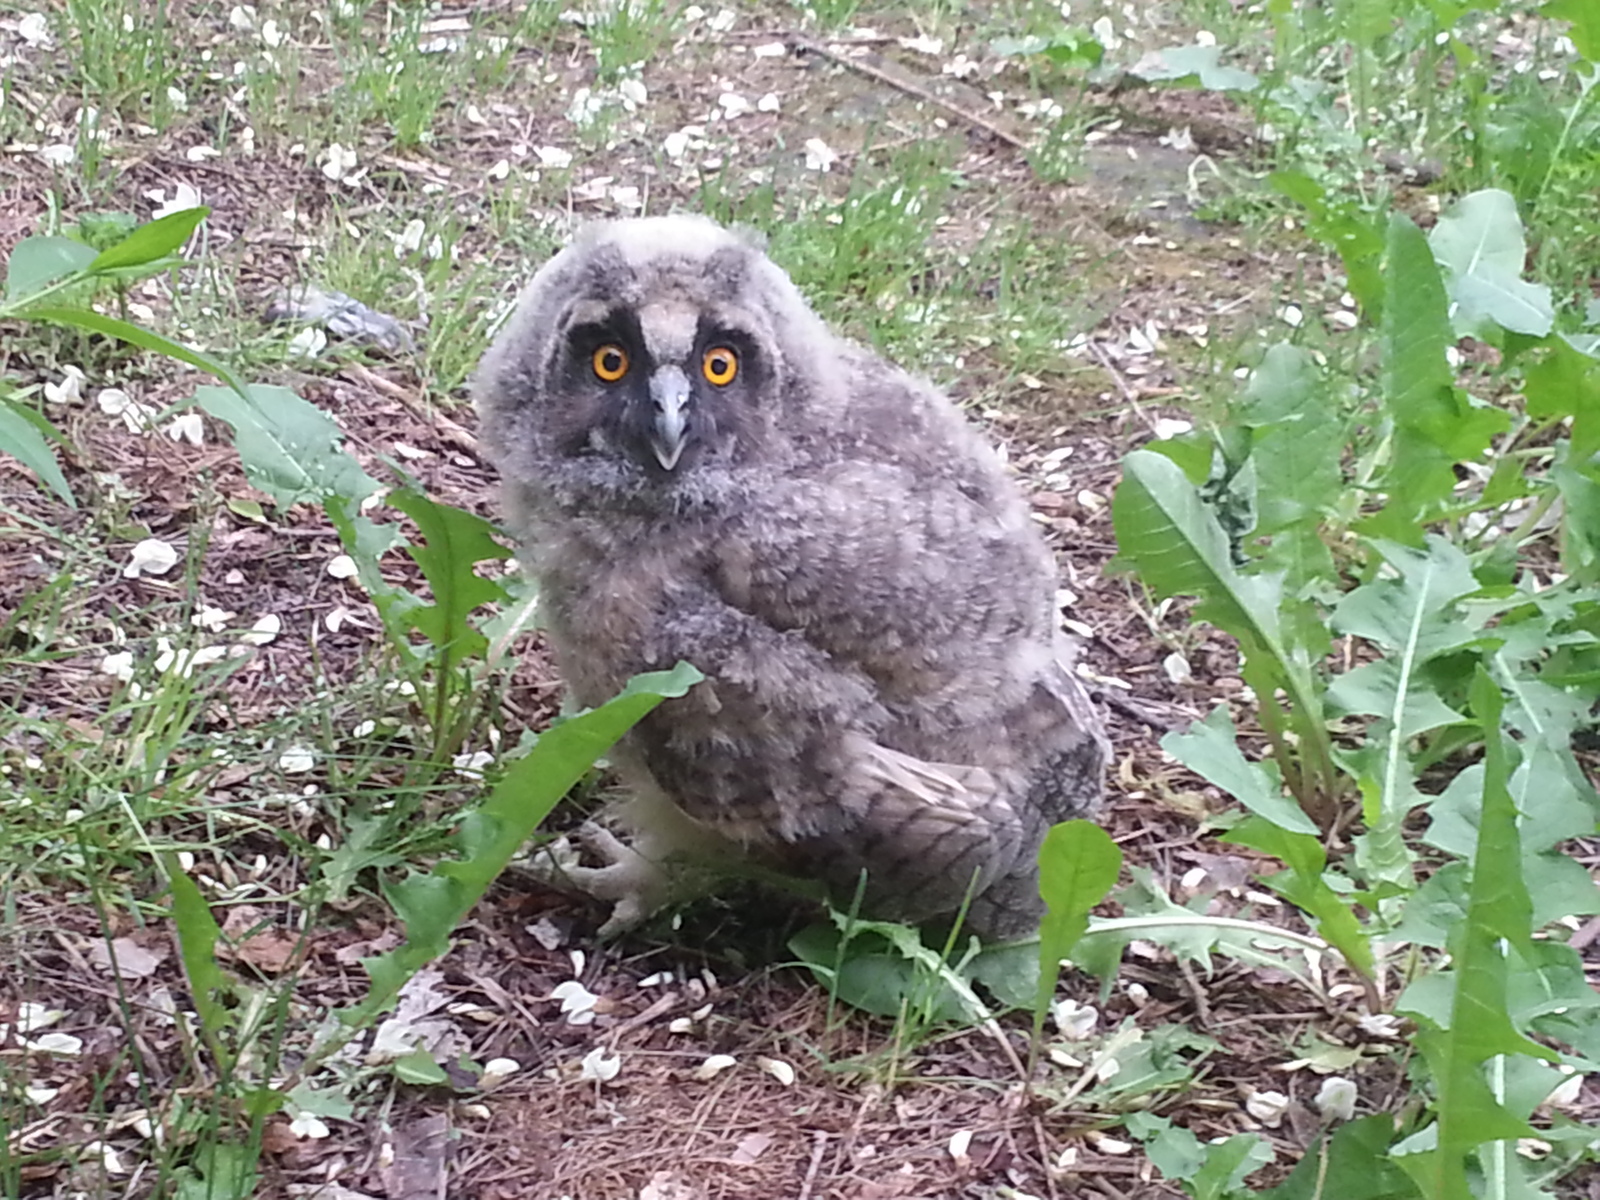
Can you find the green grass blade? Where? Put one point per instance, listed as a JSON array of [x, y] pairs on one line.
[[135, 335]]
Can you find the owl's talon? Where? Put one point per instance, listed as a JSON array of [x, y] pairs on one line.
[[634, 885]]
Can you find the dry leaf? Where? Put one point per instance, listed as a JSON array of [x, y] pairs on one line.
[[133, 961]]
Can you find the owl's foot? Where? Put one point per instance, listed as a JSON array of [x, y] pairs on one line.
[[635, 885]]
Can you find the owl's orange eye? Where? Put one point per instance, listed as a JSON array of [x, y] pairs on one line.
[[610, 362], [720, 365]]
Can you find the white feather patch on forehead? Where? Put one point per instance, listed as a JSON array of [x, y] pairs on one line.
[[668, 331]]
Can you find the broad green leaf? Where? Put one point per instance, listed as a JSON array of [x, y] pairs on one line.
[[1566, 383], [198, 934], [290, 448], [1434, 426], [1580, 495], [134, 335], [419, 1068], [868, 972], [226, 1170], [1078, 865], [20, 439], [1201, 63], [1479, 244], [1480, 1025], [1376, 689], [1296, 443], [40, 260], [1174, 1150], [431, 905], [1166, 532], [455, 542], [1352, 1164], [151, 242], [1210, 749], [1228, 1163], [1412, 613], [1304, 886], [1585, 30]]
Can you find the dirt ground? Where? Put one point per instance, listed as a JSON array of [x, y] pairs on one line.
[[815, 1104]]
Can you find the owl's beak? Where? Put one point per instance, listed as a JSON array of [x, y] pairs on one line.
[[669, 392]]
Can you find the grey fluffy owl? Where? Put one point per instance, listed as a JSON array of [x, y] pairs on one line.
[[699, 470]]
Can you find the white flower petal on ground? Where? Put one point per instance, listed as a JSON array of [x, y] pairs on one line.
[[1267, 1107], [733, 105], [553, 157], [189, 427], [34, 28], [184, 197], [118, 665], [819, 155], [69, 390], [600, 1065], [577, 1001], [471, 764], [59, 155], [211, 618], [769, 103], [497, 1069], [308, 343], [409, 239], [305, 1126], [778, 1069], [265, 629], [714, 1066], [1336, 1098], [342, 566], [297, 760], [770, 50], [150, 557]]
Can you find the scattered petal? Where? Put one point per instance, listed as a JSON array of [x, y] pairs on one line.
[[1267, 1107], [188, 427], [497, 1069], [778, 1069], [1075, 1021], [308, 343], [118, 665], [600, 1065], [472, 764], [769, 103], [960, 1142], [819, 155], [342, 566], [69, 390], [150, 557], [553, 157], [63, 1044], [265, 630], [34, 28], [1167, 428], [297, 760], [733, 105], [770, 50], [577, 1001], [714, 1066], [184, 197], [305, 1127], [1336, 1098]]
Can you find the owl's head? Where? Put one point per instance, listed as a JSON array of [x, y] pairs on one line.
[[652, 350]]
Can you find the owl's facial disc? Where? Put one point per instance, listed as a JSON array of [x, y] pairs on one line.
[[669, 397]]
